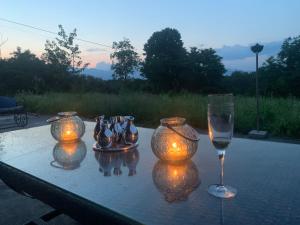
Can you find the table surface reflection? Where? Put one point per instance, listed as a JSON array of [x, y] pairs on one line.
[[136, 184]]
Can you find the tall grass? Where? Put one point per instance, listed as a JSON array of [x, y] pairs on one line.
[[281, 117]]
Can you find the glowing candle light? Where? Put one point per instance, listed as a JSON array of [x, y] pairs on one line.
[[66, 127], [176, 181], [68, 155], [174, 140], [177, 149], [69, 148], [68, 132]]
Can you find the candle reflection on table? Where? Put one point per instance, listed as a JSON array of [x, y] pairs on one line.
[[176, 181], [68, 156], [69, 148]]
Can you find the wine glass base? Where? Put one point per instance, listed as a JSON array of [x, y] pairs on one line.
[[221, 191]]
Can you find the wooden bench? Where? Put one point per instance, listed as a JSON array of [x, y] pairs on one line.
[[9, 106]]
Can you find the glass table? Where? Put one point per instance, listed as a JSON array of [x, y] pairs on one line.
[[135, 187]]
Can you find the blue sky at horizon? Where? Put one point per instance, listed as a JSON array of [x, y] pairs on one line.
[[202, 23]]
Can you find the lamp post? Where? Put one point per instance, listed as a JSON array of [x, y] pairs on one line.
[[257, 133]]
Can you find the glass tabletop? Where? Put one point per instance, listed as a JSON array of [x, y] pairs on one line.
[[136, 184]]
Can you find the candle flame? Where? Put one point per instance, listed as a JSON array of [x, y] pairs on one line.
[[69, 132], [175, 172], [174, 145], [177, 149]]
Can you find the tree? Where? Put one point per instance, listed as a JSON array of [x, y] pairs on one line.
[[63, 53], [165, 59], [125, 60], [205, 70], [289, 55], [239, 83], [24, 71], [283, 70]]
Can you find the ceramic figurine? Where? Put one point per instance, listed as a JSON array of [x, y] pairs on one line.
[[130, 134], [117, 128], [99, 121], [105, 136]]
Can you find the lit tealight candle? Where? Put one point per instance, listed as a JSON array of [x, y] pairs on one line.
[[174, 140], [177, 150], [68, 132]]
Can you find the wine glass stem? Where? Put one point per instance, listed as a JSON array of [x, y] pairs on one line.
[[221, 158]]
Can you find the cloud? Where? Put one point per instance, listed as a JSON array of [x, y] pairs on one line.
[[241, 51], [244, 64], [240, 57], [103, 66], [95, 50]]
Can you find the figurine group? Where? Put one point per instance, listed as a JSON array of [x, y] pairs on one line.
[[117, 131]]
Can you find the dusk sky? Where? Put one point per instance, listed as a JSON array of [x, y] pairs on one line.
[[202, 23]]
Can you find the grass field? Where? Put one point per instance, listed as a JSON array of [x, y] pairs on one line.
[[280, 116]]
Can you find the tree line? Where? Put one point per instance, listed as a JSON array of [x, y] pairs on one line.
[[166, 66]]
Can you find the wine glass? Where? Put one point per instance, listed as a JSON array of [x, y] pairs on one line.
[[220, 126]]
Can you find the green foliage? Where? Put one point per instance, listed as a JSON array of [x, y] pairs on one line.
[[165, 60], [279, 76], [125, 60], [25, 72], [283, 70], [204, 70], [280, 116], [289, 56], [63, 53], [239, 83], [169, 66]]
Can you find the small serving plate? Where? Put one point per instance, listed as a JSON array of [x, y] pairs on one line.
[[114, 147]]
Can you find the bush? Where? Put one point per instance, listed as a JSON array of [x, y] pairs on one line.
[[280, 116]]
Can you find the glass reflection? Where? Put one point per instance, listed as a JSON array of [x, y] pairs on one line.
[[114, 161], [221, 213], [1, 142], [68, 156], [176, 181]]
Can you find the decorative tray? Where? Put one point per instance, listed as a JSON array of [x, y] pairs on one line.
[[116, 147]]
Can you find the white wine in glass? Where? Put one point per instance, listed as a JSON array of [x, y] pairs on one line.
[[220, 116]]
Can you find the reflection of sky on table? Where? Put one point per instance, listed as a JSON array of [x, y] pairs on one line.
[[266, 175]]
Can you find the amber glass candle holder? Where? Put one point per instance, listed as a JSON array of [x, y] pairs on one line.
[[174, 140], [67, 127]]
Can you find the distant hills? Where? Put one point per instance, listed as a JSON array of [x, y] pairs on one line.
[[103, 74], [103, 71]]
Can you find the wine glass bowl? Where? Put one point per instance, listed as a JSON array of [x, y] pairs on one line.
[[220, 117]]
